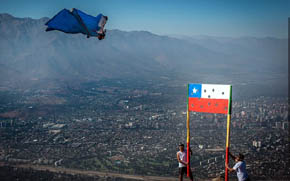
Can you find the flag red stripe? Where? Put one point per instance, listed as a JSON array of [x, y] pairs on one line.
[[208, 105]]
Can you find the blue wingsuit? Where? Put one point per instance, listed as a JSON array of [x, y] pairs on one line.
[[76, 21]]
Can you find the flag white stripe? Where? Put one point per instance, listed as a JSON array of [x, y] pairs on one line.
[[215, 91]]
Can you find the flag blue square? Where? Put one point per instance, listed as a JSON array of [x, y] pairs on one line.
[[194, 90]]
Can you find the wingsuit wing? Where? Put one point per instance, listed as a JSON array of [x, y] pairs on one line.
[[75, 21], [64, 21]]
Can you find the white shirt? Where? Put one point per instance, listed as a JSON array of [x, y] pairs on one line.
[[240, 168], [101, 25], [182, 157]]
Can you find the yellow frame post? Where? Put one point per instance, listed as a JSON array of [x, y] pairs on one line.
[[228, 133], [188, 135]]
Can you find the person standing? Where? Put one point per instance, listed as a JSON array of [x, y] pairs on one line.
[[182, 162], [239, 167]]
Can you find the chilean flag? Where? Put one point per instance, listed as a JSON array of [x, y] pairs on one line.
[[209, 98]]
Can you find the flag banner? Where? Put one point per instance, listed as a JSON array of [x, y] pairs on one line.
[[209, 98]]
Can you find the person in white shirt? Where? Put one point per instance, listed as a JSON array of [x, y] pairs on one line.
[[239, 167], [182, 162], [102, 32]]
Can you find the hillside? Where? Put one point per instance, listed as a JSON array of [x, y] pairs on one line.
[[30, 56]]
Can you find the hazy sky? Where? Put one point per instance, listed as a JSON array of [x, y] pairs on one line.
[[258, 18]]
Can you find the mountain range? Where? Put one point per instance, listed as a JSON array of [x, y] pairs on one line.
[[28, 54]]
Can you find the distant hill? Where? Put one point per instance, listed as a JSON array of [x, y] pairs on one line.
[[28, 53]]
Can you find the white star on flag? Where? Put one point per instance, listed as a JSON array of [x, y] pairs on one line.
[[194, 90]]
